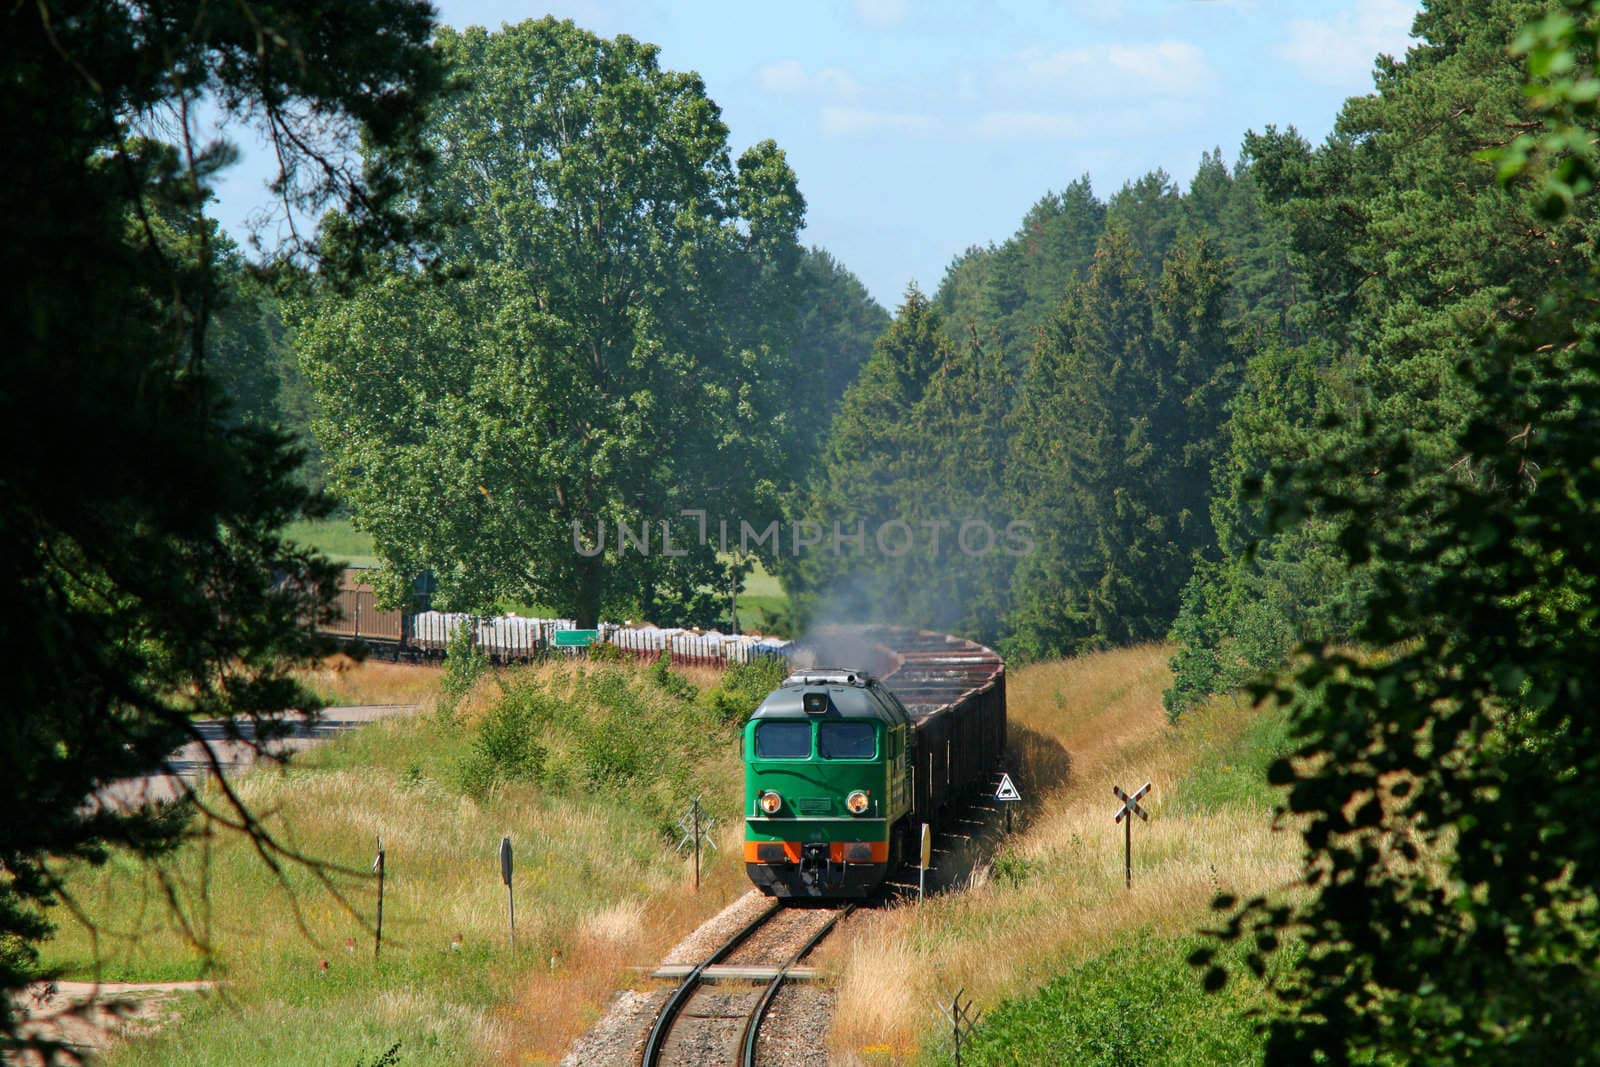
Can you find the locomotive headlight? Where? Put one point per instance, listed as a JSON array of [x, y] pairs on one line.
[[856, 802], [770, 802]]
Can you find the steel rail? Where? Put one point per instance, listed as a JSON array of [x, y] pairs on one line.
[[752, 1024], [680, 996]]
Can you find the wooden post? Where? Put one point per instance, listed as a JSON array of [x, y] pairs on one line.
[[377, 867], [1130, 808], [1127, 852]]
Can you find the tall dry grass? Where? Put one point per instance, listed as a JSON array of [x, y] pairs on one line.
[[340, 680], [599, 893], [1078, 727]]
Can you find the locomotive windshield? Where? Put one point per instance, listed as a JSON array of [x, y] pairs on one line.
[[783, 740], [847, 740]]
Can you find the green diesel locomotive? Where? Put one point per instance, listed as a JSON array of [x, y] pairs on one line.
[[842, 768]]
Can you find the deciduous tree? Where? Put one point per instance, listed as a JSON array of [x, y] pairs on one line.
[[620, 355]]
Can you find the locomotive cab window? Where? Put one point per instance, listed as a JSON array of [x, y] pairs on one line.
[[847, 740], [783, 740]]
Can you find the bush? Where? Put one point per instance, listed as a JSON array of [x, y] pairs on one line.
[[507, 746], [464, 664], [674, 685], [744, 686]]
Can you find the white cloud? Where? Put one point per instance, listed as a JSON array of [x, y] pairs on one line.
[[1156, 68], [1339, 50], [1096, 10], [883, 14], [789, 77], [1025, 126], [854, 122]]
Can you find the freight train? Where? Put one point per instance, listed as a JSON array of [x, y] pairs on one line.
[[843, 765]]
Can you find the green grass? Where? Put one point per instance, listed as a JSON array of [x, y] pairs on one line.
[[335, 538], [1231, 770], [585, 765], [1139, 1005]]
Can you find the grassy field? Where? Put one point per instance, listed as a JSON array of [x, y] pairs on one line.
[[1079, 727], [599, 890], [335, 538], [586, 765]]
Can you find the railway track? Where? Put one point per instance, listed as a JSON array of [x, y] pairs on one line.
[[765, 951]]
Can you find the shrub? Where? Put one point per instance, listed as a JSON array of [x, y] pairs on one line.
[[507, 747], [464, 664], [674, 685], [744, 686]]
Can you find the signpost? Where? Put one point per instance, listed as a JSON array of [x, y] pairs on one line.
[[696, 826], [927, 855], [962, 1019], [576, 638], [1007, 794], [511, 897], [377, 869], [1130, 808]]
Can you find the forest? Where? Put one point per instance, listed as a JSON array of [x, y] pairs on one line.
[[1322, 415]]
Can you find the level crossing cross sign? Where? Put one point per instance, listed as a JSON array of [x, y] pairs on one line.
[[1130, 808], [1130, 805]]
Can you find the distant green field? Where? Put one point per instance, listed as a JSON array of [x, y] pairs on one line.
[[763, 606], [335, 538]]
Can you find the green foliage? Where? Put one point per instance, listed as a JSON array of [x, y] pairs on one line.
[[608, 727], [464, 663], [1443, 785], [507, 745], [835, 328], [1138, 1005], [141, 537], [1412, 252], [744, 686], [1013, 868], [915, 453], [1115, 427], [390, 1057], [674, 685], [486, 429]]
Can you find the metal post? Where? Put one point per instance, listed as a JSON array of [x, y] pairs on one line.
[[925, 857], [511, 894], [377, 865], [697, 844]]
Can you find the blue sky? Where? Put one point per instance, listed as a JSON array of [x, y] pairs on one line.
[[918, 129]]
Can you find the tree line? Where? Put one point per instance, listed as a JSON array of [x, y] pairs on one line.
[[1324, 417]]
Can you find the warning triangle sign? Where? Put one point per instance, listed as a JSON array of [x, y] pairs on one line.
[[1007, 791]]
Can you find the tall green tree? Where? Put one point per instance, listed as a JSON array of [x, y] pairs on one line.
[[837, 324], [909, 505], [1413, 252], [1114, 433], [620, 356], [1443, 782], [870, 455], [1005, 292], [138, 525]]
